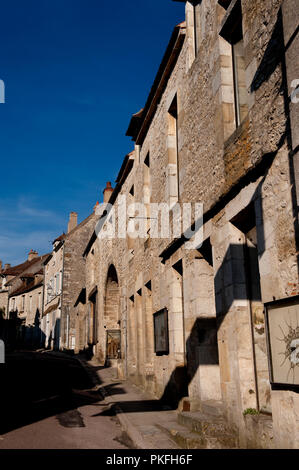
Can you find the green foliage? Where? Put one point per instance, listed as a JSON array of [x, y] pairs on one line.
[[251, 411]]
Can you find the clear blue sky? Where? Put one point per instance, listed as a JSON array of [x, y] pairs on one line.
[[74, 71]]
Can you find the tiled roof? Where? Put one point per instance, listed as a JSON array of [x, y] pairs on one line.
[[141, 121], [26, 288], [22, 269], [16, 270]]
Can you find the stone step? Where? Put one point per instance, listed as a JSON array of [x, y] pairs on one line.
[[184, 438], [209, 427], [187, 439], [213, 408], [200, 422]]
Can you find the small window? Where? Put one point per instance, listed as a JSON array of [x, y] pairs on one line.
[[161, 332], [57, 283], [232, 32], [172, 150], [147, 160]]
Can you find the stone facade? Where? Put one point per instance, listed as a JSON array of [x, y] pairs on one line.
[[74, 282], [64, 274], [24, 284], [185, 318], [216, 130], [53, 278]]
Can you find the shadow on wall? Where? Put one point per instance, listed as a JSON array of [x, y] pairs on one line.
[[16, 335], [201, 349], [203, 336], [205, 330]]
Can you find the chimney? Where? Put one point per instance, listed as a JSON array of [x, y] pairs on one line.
[[32, 255], [107, 192], [0, 266], [96, 206], [7, 266], [73, 222]]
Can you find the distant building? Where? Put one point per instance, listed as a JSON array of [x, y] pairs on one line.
[[25, 299], [64, 278]]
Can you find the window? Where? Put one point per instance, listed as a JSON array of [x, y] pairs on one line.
[[240, 92], [161, 332], [147, 191], [57, 283], [23, 303], [232, 32], [196, 26], [172, 149], [30, 303], [50, 290], [193, 28], [93, 315], [131, 210]]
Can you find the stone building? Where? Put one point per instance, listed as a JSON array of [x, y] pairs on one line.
[[24, 284], [53, 275], [64, 272], [186, 319], [3, 289]]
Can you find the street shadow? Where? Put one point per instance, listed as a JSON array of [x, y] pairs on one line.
[[141, 406], [18, 336], [36, 386], [113, 389]]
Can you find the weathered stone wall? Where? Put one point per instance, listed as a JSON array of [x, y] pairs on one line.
[[50, 324], [74, 280], [217, 345], [3, 301]]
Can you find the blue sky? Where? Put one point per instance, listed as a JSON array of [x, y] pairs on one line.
[[74, 72]]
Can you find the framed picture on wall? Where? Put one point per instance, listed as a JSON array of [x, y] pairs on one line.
[[282, 323], [161, 332]]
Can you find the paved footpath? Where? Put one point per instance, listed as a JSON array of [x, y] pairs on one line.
[[138, 413]]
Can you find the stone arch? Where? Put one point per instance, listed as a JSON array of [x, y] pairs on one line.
[[112, 300], [112, 317]]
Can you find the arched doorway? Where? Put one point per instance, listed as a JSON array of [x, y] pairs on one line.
[[112, 316]]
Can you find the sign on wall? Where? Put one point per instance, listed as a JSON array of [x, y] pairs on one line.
[[161, 332], [282, 318]]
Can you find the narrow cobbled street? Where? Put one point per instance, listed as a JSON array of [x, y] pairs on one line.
[[49, 401]]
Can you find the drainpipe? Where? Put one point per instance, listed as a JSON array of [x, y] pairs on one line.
[[126, 336], [61, 342], [43, 302]]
